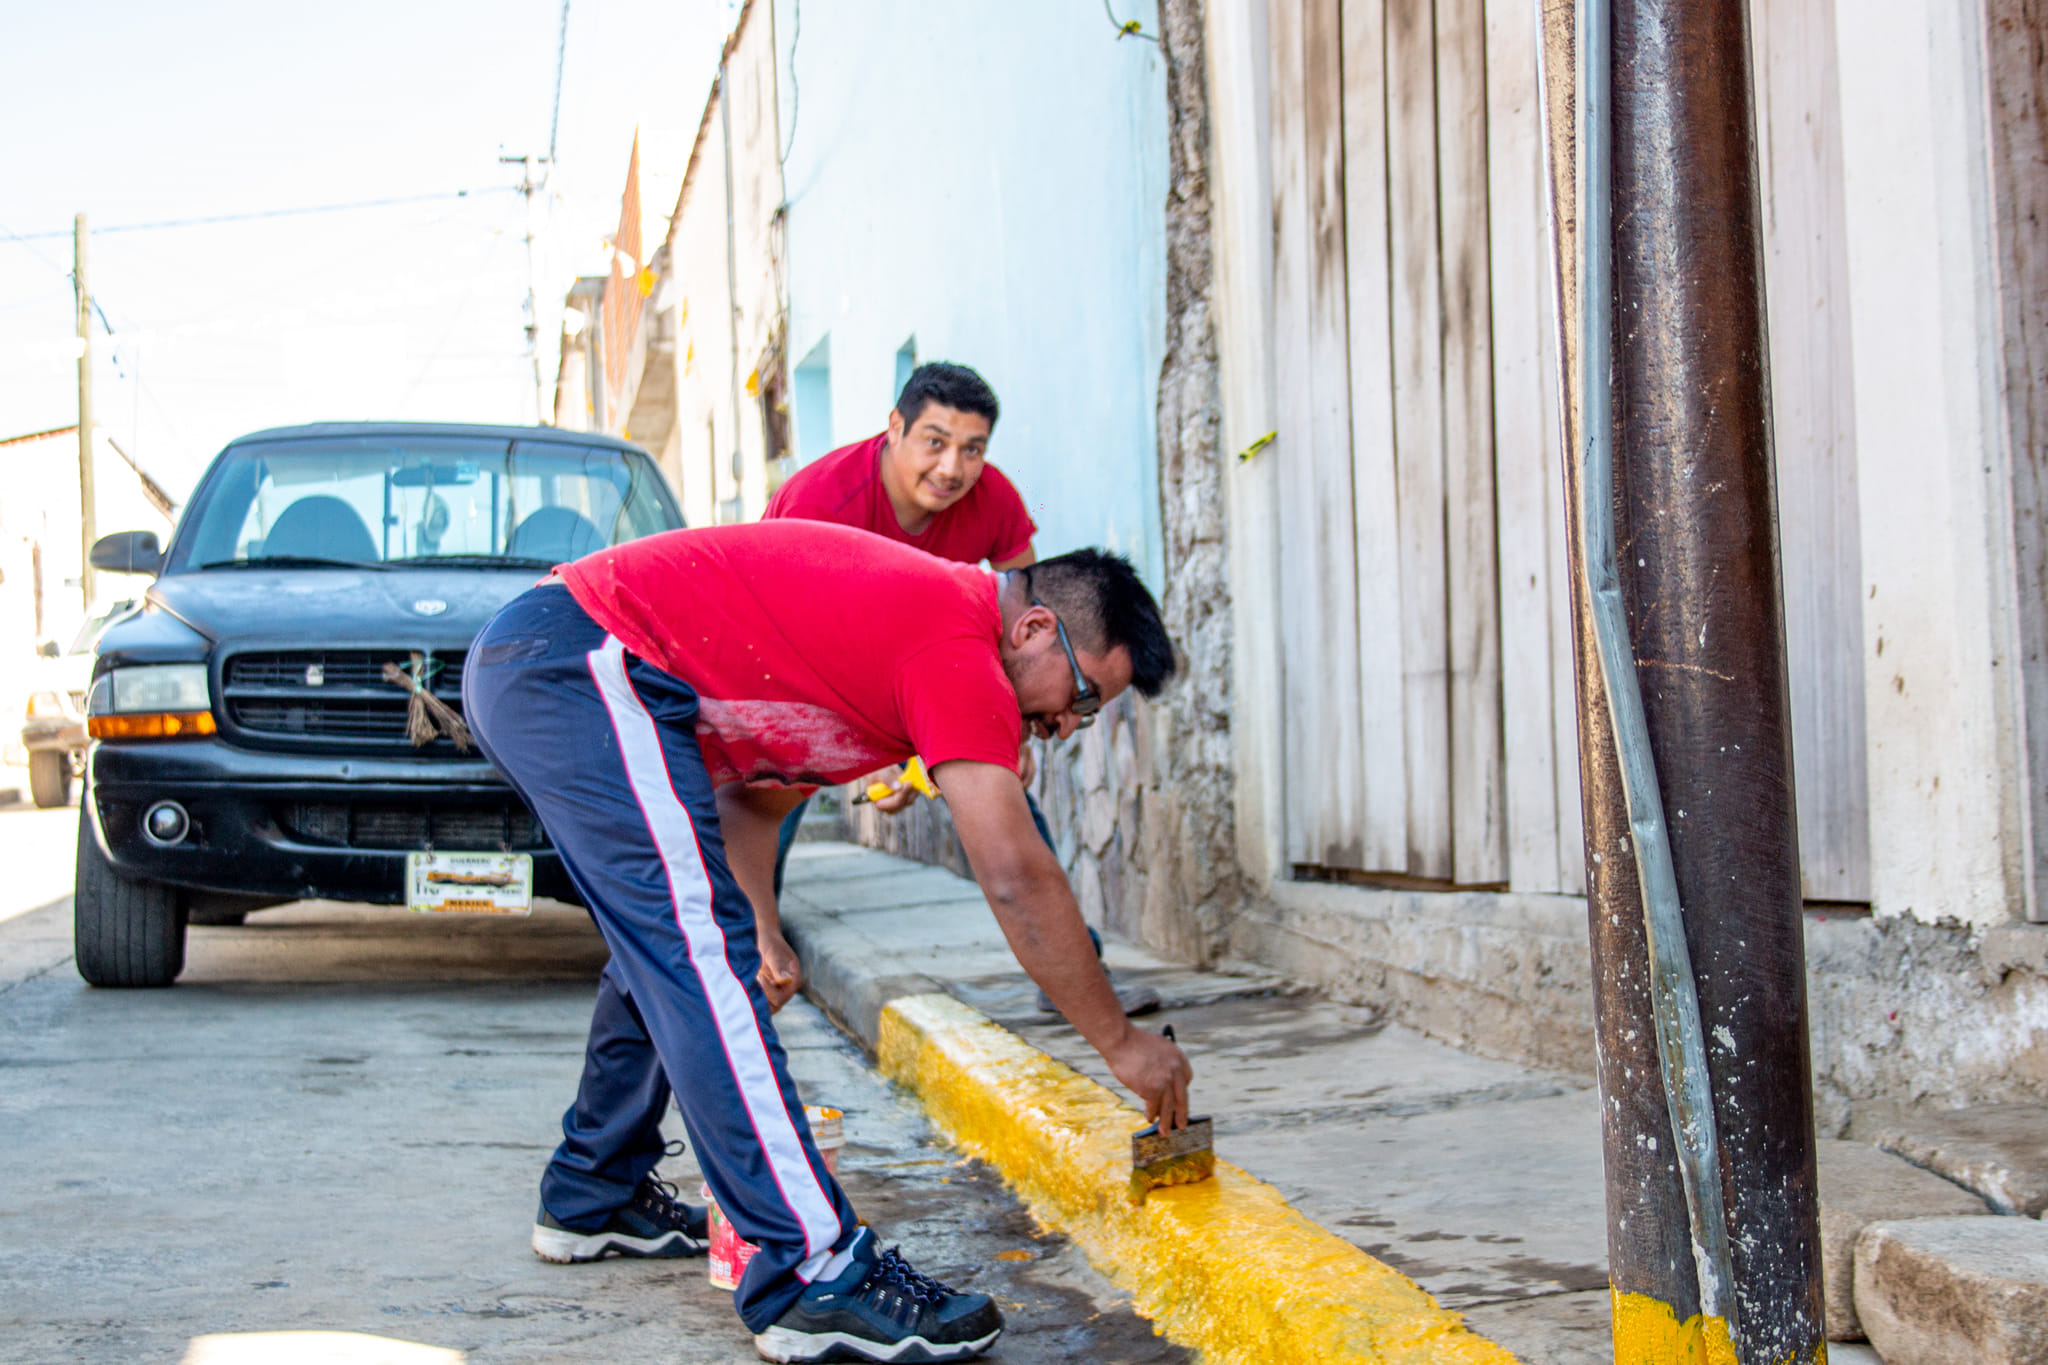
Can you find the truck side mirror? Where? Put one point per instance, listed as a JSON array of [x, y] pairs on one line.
[[128, 552]]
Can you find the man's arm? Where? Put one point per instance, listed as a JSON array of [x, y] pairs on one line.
[[750, 819], [1022, 560], [1035, 907]]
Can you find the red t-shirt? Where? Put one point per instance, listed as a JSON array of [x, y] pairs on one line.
[[818, 653], [845, 487]]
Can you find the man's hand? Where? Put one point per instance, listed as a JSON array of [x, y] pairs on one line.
[[750, 819], [1036, 909], [901, 795], [1157, 1072], [781, 973]]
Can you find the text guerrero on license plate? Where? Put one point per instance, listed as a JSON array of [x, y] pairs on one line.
[[469, 883]]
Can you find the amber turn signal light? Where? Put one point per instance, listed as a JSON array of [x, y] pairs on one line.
[[151, 725]]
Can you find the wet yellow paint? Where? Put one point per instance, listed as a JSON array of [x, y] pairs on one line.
[[1174, 1170], [1225, 1266], [1648, 1332]]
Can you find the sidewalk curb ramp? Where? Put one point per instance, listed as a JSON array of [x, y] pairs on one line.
[[1226, 1266]]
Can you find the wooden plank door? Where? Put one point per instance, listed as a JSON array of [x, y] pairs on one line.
[[1324, 778], [1545, 843], [1798, 109]]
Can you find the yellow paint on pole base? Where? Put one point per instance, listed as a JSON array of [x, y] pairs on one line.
[[1224, 1266], [1648, 1332]]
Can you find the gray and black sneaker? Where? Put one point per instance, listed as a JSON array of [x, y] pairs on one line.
[[654, 1224], [881, 1309]]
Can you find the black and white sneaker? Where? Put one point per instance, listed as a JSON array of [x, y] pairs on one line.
[[655, 1224], [881, 1309]]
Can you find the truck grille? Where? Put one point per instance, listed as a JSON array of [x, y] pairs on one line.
[[414, 826], [334, 695]]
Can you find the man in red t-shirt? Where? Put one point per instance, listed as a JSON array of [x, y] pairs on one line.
[[661, 705], [925, 481]]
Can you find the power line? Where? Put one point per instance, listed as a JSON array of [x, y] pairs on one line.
[[561, 56], [795, 95], [269, 213]]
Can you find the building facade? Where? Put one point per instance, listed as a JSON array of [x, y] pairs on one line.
[[1268, 292]]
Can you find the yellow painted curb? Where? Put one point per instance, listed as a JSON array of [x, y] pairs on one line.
[[1226, 1266]]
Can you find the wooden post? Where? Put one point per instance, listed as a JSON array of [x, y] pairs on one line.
[[88, 517], [1694, 502]]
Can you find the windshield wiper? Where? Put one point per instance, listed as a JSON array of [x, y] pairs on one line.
[[294, 562], [478, 561]]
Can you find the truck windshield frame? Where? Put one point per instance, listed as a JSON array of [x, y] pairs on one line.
[[406, 500]]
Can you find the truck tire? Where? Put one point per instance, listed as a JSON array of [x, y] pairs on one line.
[[49, 777], [124, 933]]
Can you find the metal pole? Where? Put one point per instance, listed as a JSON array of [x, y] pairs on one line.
[[88, 514], [732, 290], [1671, 274], [527, 187]]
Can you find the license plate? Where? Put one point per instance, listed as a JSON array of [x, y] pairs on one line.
[[469, 883]]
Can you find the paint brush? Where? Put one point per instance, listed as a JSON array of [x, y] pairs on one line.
[[1171, 1158]]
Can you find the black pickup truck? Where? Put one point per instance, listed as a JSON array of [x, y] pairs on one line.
[[281, 718]]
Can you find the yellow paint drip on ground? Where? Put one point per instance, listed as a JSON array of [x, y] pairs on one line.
[[1225, 1266]]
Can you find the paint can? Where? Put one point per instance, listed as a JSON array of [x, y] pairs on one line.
[[729, 1253], [728, 1257], [828, 1131]]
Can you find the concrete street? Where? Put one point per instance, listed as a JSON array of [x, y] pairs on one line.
[[334, 1124]]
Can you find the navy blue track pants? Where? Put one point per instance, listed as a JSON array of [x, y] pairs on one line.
[[603, 746]]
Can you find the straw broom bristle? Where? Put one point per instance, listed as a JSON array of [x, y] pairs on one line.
[[427, 717]]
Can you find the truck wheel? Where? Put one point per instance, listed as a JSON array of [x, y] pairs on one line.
[[124, 933], [49, 777]]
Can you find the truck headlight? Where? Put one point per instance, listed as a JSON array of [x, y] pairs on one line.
[[150, 701]]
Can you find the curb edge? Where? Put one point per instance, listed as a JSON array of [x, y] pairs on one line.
[[1227, 1267]]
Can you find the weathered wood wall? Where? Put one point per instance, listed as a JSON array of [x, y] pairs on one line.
[[1427, 712]]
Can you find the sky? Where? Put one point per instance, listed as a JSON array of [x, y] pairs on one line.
[[144, 113]]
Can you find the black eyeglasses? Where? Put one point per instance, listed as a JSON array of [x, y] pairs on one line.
[[1087, 701]]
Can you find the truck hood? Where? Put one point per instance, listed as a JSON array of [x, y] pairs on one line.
[[442, 607]]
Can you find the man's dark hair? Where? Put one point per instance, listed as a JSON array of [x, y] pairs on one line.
[[1098, 597], [950, 386]]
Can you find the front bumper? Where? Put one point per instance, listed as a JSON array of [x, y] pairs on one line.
[[65, 735], [265, 824]]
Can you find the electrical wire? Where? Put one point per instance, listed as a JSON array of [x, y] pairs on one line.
[[1674, 991], [1127, 28], [796, 35], [26, 243], [260, 214], [561, 58]]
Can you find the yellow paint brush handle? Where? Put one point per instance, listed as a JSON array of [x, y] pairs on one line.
[[914, 776]]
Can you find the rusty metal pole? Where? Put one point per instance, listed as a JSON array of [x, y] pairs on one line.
[[1692, 498]]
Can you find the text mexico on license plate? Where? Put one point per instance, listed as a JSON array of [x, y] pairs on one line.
[[469, 883]]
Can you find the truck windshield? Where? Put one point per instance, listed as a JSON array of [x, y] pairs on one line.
[[399, 499]]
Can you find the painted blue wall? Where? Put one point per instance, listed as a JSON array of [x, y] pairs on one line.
[[990, 180]]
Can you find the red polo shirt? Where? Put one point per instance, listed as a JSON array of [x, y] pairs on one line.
[[818, 653], [845, 487]]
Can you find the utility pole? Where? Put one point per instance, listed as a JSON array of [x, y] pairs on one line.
[[528, 186], [87, 514], [1692, 853]]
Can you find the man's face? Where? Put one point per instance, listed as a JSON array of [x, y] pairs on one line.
[[1043, 677], [938, 458]]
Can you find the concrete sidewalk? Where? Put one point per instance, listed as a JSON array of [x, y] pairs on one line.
[[1479, 1179]]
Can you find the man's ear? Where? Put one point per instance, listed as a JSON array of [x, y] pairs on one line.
[[895, 426], [1033, 622]]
